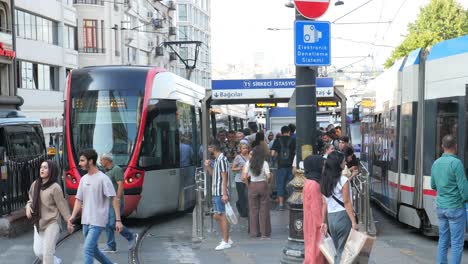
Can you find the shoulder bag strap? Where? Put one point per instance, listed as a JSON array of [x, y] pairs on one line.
[[338, 201]]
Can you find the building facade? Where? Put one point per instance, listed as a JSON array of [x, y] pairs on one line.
[[128, 32], [46, 51], [6, 50], [193, 21]]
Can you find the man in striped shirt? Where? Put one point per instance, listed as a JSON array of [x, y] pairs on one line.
[[219, 189]]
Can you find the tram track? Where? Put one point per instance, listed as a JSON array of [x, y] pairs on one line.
[[59, 242], [133, 254]]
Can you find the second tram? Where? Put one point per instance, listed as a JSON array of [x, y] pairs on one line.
[[409, 109]]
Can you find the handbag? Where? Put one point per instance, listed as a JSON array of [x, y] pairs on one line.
[[230, 214], [327, 247]]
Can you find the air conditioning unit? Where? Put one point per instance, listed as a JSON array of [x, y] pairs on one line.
[[171, 5], [157, 23], [172, 31], [172, 56], [159, 51]]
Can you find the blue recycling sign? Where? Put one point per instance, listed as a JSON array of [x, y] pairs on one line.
[[312, 42]]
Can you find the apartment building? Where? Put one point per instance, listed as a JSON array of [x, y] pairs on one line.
[[46, 50], [193, 22], [6, 50], [128, 32]]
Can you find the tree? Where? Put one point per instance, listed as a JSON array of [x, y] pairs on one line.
[[439, 20]]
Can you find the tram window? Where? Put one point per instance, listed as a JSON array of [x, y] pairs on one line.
[[160, 148], [446, 122], [408, 131], [187, 131]]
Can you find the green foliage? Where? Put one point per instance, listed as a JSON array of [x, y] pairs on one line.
[[439, 20]]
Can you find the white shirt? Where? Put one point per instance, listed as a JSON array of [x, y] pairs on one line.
[[332, 205], [263, 175]]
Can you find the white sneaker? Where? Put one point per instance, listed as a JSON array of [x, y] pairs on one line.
[[230, 242], [223, 245]]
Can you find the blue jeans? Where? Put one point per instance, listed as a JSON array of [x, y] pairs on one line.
[[110, 229], [91, 237], [452, 224], [283, 176]]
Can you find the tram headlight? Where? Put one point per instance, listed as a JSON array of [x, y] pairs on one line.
[[130, 180], [138, 175], [74, 180]]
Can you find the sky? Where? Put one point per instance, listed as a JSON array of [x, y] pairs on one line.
[[240, 35]]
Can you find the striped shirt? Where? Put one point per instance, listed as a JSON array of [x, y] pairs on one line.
[[221, 165]]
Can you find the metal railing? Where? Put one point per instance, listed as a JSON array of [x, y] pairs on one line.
[[197, 221], [92, 50], [361, 201], [89, 2], [17, 175]]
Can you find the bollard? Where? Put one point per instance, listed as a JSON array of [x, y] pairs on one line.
[[293, 252]]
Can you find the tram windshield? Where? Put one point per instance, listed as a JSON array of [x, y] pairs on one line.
[[106, 120]]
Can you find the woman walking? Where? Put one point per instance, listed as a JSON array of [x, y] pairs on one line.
[[314, 226], [241, 187], [336, 189], [45, 206], [258, 172]]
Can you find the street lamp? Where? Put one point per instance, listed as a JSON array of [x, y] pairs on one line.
[[339, 2], [289, 4]]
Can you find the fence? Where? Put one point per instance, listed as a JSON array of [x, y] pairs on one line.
[[17, 175]]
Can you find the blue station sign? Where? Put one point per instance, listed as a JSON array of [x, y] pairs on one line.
[[312, 42]]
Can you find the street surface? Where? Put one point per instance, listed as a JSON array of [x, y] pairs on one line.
[[169, 240]]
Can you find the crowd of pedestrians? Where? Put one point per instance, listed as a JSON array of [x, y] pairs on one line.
[[248, 157]]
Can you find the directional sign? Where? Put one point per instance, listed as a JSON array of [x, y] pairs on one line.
[[265, 88], [325, 88], [312, 9], [312, 43], [253, 89]]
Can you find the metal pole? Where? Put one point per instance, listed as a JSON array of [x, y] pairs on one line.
[[306, 119]]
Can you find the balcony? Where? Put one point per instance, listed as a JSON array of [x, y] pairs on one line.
[[89, 2], [92, 50]]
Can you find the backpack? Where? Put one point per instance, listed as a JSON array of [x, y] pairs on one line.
[[284, 156]]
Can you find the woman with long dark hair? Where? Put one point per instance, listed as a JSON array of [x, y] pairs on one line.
[[257, 172], [45, 206], [336, 189], [314, 210]]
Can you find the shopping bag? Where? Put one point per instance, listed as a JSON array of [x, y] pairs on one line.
[[353, 246], [230, 215], [328, 249], [364, 255]]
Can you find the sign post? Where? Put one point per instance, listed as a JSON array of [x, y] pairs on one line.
[[312, 49]]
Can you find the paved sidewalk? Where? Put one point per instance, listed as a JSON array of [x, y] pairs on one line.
[[170, 242]]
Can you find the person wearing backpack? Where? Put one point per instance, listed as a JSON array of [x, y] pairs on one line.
[[283, 149]]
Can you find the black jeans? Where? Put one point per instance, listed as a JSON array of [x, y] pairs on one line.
[[242, 202]]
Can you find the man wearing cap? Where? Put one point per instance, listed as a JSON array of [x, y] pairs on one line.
[[115, 173]]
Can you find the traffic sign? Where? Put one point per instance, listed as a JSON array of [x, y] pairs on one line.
[[312, 43], [312, 9]]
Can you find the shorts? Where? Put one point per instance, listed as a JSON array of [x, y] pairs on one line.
[[218, 205]]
